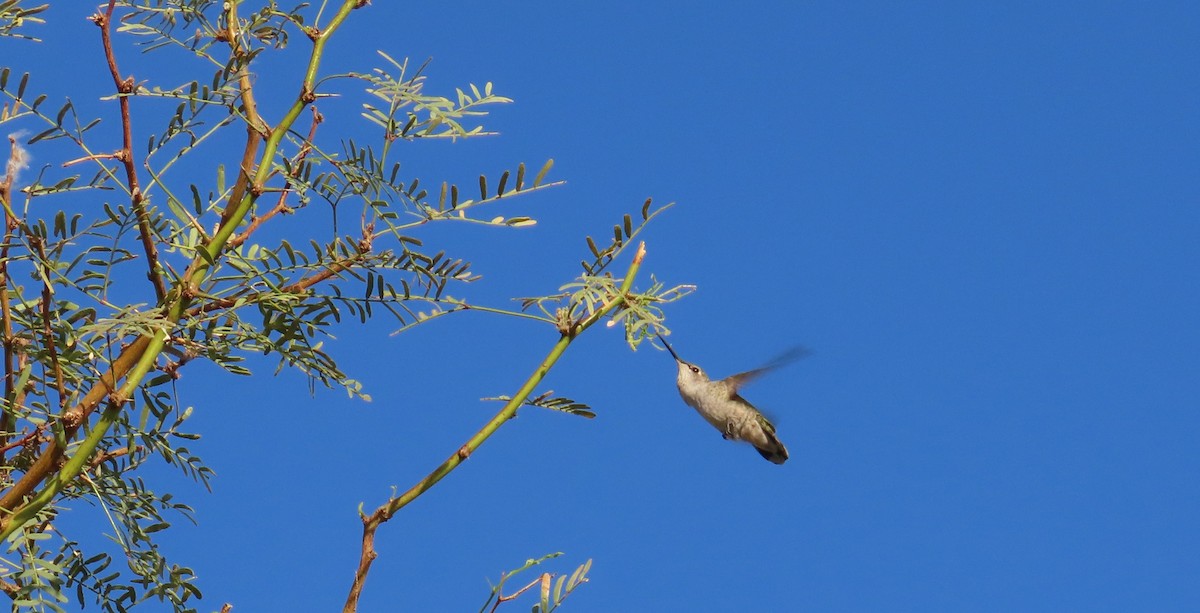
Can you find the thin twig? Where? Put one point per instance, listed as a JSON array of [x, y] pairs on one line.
[[300, 286], [281, 206], [25, 438], [105, 456], [49, 459], [47, 330], [389, 509], [502, 598], [125, 87], [22, 501], [255, 126], [11, 223], [92, 158]]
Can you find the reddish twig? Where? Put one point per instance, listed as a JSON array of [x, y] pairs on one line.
[[281, 206], [544, 578], [125, 87], [48, 461], [104, 456], [47, 330], [11, 223], [302, 285], [255, 126], [25, 438]]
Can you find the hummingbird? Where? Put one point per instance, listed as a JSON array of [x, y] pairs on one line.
[[719, 403]]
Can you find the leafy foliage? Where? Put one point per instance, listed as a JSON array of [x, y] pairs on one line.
[[13, 17], [546, 400], [119, 269], [641, 313], [552, 592]]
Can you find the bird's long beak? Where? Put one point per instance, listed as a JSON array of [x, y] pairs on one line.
[[669, 348]]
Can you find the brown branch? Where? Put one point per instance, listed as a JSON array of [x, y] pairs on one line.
[[367, 556], [18, 396], [72, 419], [11, 223], [25, 438], [302, 285], [281, 206], [125, 87], [47, 330], [22, 500], [255, 126], [255, 222], [104, 456], [78, 414]]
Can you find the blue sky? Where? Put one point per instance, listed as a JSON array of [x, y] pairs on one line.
[[981, 219]]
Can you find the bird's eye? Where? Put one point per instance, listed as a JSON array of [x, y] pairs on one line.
[[695, 369]]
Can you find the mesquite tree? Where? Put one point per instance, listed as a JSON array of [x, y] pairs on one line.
[[120, 265]]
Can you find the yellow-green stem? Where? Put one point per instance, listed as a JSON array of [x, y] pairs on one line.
[[391, 507], [83, 453], [87, 447], [510, 408], [219, 240]]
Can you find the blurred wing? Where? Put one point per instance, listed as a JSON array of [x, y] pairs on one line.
[[737, 381], [742, 378]]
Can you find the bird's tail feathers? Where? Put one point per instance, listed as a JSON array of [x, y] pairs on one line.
[[773, 451]]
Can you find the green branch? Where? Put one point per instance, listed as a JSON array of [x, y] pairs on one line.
[[306, 96], [148, 354], [391, 507], [510, 408]]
